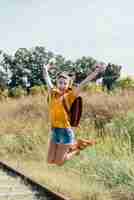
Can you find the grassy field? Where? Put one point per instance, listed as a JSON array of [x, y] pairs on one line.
[[102, 172]]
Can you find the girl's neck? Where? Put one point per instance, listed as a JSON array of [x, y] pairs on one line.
[[63, 91]]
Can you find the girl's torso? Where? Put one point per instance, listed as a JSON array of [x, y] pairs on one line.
[[58, 115]]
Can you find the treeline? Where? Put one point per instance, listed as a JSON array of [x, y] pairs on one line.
[[24, 68]]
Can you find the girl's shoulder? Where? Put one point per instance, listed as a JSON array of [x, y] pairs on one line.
[[71, 94], [71, 91], [55, 92]]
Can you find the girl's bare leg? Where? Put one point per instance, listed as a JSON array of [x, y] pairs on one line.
[[51, 152], [66, 152], [61, 152], [69, 155]]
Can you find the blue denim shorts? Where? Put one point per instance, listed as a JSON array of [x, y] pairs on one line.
[[63, 136]]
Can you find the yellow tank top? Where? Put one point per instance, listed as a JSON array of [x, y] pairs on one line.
[[58, 116]]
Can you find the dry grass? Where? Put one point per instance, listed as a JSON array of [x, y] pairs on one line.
[[95, 174], [101, 108], [107, 106]]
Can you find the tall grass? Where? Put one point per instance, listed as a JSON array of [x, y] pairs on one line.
[[103, 172]]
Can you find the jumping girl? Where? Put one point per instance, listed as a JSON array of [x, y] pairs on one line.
[[62, 144]]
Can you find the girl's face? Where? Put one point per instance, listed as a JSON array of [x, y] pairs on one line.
[[62, 84]]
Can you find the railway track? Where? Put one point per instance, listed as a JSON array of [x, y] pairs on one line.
[[16, 186]]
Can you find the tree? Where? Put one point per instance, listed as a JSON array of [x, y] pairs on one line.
[[3, 78], [4, 71], [27, 63], [82, 67]]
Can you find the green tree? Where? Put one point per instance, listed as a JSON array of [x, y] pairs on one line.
[[82, 67], [27, 63], [4, 71]]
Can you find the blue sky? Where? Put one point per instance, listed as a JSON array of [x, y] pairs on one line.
[[74, 28]]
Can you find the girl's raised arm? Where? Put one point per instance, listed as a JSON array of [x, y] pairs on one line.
[[47, 77], [90, 77]]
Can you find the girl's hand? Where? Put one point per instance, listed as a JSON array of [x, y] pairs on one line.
[[48, 67], [51, 64]]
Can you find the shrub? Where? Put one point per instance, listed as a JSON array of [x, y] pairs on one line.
[[94, 88], [37, 90], [126, 83], [16, 92]]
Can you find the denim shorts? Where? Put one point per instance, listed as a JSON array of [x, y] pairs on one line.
[[63, 136]]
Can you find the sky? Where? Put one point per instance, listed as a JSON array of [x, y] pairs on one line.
[[101, 29]]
